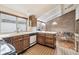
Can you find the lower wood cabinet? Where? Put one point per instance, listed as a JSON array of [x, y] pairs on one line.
[[50, 40], [46, 39], [26, 42], [22, 42], [19, 42], [41, 38]]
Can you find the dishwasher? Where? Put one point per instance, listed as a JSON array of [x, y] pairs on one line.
[[32, 39]]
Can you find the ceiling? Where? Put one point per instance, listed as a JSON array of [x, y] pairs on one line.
[[37, 9], [43, 12]]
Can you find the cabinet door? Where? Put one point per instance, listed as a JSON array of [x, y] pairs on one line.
[[25, 43], [41, 40], [17, 43], [33, 20], [50, 40]]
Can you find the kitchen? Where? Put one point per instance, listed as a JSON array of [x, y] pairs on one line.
[[39, 29]]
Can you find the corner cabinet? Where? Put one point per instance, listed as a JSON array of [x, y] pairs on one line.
[[32, 20]]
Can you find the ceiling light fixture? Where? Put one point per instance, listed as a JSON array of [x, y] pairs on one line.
[[54, 23], [43, 24]]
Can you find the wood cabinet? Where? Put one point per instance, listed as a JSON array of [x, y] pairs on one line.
[[16, 42], [33, 20], [46, 39], [50, 40], [26, 42], [19, 42], [41, 38]]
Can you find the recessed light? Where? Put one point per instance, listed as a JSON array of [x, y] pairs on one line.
[[43, 24], [54, 23]]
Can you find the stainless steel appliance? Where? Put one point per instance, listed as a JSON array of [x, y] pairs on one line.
[[6, 48]]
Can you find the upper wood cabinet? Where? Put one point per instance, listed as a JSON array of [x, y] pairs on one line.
[[33, 20]]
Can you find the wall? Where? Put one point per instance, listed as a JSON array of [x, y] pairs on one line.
[[66, 23]]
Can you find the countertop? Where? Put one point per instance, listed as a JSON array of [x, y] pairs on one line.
[[14, 34], [46, 32], [22, 33]]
